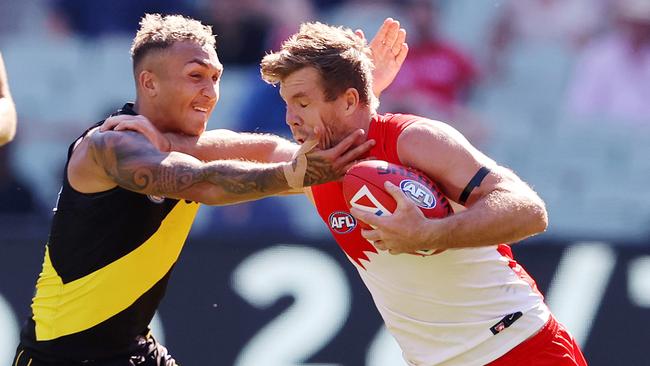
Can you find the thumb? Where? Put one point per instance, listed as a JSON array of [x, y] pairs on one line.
[[364, 216], [312, 141], [306, 147], [398, 195]]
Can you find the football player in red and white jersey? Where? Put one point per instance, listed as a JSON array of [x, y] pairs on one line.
[[470, 304]]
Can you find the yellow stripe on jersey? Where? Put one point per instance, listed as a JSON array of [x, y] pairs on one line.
[[62, 309]]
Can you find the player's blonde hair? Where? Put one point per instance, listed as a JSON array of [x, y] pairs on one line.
[[158, 32], [341, 57]]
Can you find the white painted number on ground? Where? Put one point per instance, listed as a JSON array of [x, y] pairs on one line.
[[579, 285], [322, 303], [384, 350], [638, 285], [8, 332]]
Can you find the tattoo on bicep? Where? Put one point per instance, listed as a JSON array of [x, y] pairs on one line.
[[138, 166]]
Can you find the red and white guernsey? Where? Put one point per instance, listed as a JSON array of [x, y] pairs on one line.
[[459, 307]]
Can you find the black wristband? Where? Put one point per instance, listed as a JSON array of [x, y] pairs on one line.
[[473, 183]]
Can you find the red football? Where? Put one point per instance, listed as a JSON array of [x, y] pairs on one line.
[[363, 188]]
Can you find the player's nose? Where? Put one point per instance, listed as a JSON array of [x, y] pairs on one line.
[[292, 120], [210, 92]]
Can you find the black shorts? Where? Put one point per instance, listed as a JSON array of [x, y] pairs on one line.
[[151, 353]]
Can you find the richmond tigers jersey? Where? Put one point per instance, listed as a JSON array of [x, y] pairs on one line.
[[459, 307], [107, 262]]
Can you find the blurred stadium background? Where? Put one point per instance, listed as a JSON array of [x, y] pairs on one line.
[[558, 90]]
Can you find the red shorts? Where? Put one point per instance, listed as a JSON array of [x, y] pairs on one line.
[[551, 346]]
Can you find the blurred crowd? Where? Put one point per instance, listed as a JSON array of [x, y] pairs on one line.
[[556, 89]]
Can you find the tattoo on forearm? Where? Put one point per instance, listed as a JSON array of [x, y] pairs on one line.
[[319, 171], [174, 178], [136, 165], [235, 180]]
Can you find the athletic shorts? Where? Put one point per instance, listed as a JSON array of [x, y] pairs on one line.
[[151, 353], [551, 346]]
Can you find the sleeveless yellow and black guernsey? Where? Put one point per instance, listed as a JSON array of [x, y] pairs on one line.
[[107, 262]]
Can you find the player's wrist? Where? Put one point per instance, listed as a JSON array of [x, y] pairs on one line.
[[294, 172], [437, 235]]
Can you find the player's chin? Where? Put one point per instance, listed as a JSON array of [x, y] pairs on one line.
[[194, 129], [196, 124]]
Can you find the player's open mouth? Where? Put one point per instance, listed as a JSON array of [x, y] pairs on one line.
[[200, 109], [300, 141]]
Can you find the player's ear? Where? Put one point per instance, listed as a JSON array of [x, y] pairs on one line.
[[351, 99], [147, 83]]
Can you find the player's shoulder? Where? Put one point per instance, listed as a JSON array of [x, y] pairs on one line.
[[397, 118], [86, 171], [393, 124], [431, 127], [102, 151], [430, 137], [403, 119]]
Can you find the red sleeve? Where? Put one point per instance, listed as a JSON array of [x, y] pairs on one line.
[[395, 125]]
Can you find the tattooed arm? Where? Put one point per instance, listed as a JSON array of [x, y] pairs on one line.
[[128, 160], [211, 145], [132, 163]]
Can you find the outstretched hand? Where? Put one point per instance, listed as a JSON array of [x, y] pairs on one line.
[[138, 123], [389, 50], [401, 232]]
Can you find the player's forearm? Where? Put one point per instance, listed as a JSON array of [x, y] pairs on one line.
[[500, 217], [234, 182], [132, 163], [224, 144], [7, 120], [182, 177], [283, 150]]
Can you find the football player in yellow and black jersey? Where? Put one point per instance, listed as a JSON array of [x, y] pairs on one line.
[[125, 207]]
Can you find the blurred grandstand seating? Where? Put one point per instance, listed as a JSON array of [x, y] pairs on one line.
[[593, 175]]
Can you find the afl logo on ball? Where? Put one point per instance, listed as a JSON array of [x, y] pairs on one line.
[[156, 199], [342, 222], [418, 193]]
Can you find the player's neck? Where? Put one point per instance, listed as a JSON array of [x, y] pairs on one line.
[[361, 119]]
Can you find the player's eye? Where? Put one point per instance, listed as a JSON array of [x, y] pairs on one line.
[[195, 76]]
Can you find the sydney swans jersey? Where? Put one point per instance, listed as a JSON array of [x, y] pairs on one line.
[[107, 262], [458, 307]]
